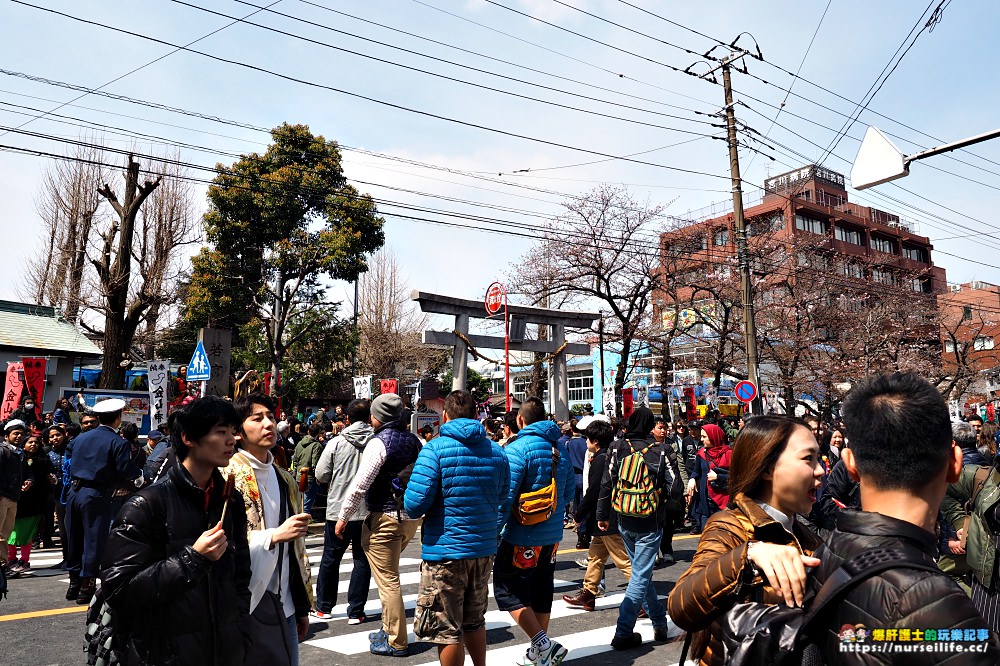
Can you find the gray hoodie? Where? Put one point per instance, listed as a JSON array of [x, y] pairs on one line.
[[338, 465]]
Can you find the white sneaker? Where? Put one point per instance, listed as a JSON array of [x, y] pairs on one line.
[[553, 656], [530, 658]]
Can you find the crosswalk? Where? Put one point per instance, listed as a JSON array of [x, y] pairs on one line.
[[334, 635]]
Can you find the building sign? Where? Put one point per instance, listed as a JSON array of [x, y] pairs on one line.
[[159, 380], [783, 181]]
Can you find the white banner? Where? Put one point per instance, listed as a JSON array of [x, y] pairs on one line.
[[609, 402], [642, 396], [159, 380], [363, 387]]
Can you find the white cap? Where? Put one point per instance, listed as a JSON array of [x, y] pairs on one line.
[[14, 423], [582, 424], [109, 406]]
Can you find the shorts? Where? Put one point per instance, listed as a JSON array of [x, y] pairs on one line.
[[452, 599], [523, 577]]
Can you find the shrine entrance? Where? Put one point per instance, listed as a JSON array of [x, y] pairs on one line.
[[556, 346]]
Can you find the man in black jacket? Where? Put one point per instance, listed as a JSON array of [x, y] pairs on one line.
[[902, 453], [605, 543], [175, 570]]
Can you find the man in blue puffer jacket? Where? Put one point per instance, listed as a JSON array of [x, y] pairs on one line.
[[525, 564], [458, 483]]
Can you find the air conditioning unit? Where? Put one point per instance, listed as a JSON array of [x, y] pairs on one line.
[[954, 288]]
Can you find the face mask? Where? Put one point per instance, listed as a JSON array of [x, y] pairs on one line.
[[29, 406]]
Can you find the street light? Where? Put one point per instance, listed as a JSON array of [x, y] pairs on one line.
[[880, 161]]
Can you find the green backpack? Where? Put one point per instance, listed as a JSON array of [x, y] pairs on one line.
[[635, 493]]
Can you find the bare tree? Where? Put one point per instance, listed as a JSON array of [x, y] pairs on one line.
[[118, 258], [68, 205], [602, 250], [390, 324]]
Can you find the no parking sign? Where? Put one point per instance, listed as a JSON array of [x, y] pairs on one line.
[[745, 391]]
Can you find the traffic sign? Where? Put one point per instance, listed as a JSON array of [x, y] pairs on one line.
[[494, 298], [745, 391], [199, 369]]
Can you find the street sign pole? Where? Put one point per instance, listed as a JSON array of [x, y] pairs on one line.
[[496, 295]]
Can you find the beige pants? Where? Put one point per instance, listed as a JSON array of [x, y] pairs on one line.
[[602, 547], [383, 539], [8, 511]]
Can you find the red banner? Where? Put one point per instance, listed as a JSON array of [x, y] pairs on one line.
[[388, 386], [34, 381], [12, 390], [628, 402]]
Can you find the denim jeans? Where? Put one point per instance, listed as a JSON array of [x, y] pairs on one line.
[[328, 580], [642, 548], [309, 497]]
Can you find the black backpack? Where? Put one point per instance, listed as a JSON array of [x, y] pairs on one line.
[[757, 633]]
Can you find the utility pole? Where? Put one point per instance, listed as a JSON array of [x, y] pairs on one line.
[[742, 254]]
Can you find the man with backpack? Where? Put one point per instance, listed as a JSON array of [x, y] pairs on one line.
[[381, 479], [638, 475], [457, 485], [903, 455], [542, 484]]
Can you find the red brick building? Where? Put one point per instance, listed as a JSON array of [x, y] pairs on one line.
[[970, 327]]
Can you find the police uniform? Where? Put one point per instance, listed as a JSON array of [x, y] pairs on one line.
[[102, 460]]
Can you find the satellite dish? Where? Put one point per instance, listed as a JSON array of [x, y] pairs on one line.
[[878, 161]]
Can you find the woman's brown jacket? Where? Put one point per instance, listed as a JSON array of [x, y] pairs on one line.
[[720, 576]]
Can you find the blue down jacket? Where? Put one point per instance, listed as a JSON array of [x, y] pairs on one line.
[[458, 483], [530, 457]]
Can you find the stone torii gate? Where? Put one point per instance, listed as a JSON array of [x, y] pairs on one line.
[[557, 320]]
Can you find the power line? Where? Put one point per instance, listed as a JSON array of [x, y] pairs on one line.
[[367, 98]]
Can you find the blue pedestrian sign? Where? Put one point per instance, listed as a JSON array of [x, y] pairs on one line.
[[745, 391], [199, 369]]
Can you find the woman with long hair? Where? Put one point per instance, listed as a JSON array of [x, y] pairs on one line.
[[37, 478], [757, 549]]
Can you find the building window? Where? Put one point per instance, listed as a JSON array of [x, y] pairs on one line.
[[920, 285], [581, 385], [915, 253], [846, 235], [721, 237], [983, 343], [967, 312], [883, 245], [883, 276], [851, 269], [949, 347], [810, 224]]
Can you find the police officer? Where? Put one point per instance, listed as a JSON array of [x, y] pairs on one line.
[[101, 461]]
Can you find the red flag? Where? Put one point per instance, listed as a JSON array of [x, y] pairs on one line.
[[12, 390], [388, 386], [628, 402], [34, 381]]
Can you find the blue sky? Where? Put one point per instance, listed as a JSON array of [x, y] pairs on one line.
[[943, 88]]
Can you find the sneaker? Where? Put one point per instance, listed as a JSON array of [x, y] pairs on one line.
[[320, 615], [553, 656], [664, 561], [356, 620], [583, 562], [379, 635], [601, 589], [530, 658], [626, 642], [19, 566], [382, 648]]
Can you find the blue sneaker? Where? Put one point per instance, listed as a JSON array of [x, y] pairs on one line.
[[379, 635], [382, 648]]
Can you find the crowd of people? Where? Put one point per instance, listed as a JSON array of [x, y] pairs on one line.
[[887, 519]]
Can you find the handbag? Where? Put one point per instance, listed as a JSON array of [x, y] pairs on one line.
[[756, 633], [539, 505]]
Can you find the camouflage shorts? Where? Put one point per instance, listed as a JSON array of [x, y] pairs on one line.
[[452, 599]]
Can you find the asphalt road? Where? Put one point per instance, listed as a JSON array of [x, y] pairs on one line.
[[39, 628]]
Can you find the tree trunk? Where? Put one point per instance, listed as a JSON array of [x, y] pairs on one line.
[[788, 392]]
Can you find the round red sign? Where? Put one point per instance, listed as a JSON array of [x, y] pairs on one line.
[[494, 298]]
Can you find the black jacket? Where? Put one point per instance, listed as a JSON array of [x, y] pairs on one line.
[[34, 500], [840, 487], [899, 598], [588, 503], [10, 472], [173, 605]]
